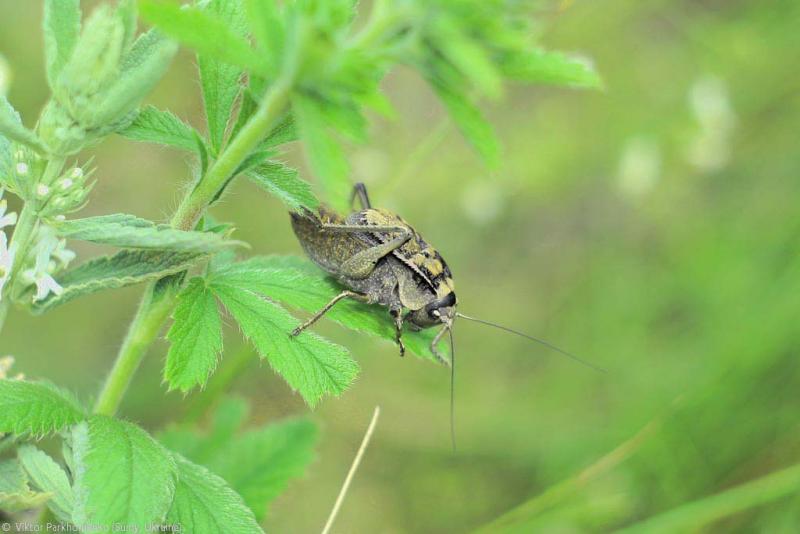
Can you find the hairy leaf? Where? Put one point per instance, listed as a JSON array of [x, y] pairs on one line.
[[324, 152], [122, 474], [12, 128], [15, 495], [220, 80], [203, 31], [153, 125], [283, 182], [128, 231], [124, 268], [142, 68], [62, 26], [308, 363], [50, 478], [195, 337], [205, 503], [267, 26], [36, 408], [300, 284], [260, 463]]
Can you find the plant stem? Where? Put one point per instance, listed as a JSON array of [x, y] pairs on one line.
[[159, 297]]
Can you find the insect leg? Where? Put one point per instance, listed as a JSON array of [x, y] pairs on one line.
[[398, 330], [360, 191], [435, 342], [361, 264], [325, 309]]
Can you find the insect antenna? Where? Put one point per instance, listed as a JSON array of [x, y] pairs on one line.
[[534, 339], [452, 386]]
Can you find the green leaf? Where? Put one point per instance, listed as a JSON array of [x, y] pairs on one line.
[[153, 125], [229, 416], [205, 503], [475, 128], [267, 26], [122, 474], [300, 284], [36, 408], [220, 80], [283, 182], [308, 363], [201, 30], [543, 66], [15, 495], [50, 478], [323, 151], [128, 231], [62, 26], [12, 128], [260, 463], [124, 268], [195, 337], [142, 68]]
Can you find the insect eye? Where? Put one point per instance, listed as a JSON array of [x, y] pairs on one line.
[[435, 313]]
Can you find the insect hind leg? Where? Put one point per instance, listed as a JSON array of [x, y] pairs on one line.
[[360, 191], [325, 309]]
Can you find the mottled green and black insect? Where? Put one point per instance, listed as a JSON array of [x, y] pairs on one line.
[[380, 259]]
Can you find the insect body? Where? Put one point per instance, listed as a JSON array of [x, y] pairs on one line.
[[380, 259]]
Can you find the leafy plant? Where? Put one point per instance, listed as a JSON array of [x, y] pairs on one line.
[[270, 73]]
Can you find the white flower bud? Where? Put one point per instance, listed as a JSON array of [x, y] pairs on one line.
[[42, 190], [77, 173], [65, 184], [22, 169]]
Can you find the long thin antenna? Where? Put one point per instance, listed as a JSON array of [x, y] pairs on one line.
[[353, 468], [534, 339], [452, 387]]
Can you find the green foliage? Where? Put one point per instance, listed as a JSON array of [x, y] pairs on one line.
[[15, 494], [62, 26], [122, 474], [257, 463], [11, 127], [300, 284], [220, 80], [50, 478], [195, 338], [309, 364], [36, 408], [153, 125], [284, 183], [193, 26], [205, 503], [126, 267], [128, 231]]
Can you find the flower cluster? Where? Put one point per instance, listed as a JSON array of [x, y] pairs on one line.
[[6, 253], [66, 194], [48, 257]]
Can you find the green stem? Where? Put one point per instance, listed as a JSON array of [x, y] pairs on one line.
[[159, 297]]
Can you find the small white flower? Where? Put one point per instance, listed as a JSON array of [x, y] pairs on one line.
[[22, 168], [62, 254], [6, 219], [65, 184], [60, 218], [40, 275], [42, 190], [6, 260], [77, 173]]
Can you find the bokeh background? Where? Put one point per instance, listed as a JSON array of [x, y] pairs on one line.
[[652, 228]]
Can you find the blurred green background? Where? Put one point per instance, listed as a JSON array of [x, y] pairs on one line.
[[652, 228]]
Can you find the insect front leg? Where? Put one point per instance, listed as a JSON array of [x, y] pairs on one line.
[[325, 309], [435, 342], [398, 330]]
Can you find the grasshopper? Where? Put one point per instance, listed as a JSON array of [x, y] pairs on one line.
[[380, 259]]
